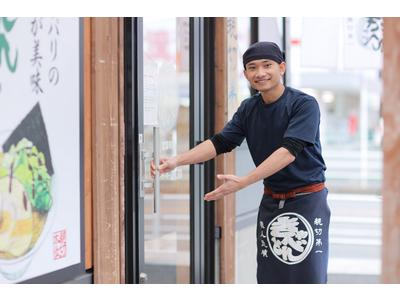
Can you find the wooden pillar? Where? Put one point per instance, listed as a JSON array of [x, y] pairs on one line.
[[391, 152], [225, 215], [88, 144], [121, 96], [107, 150]]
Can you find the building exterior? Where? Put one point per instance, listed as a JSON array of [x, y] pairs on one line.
[[98, 98]]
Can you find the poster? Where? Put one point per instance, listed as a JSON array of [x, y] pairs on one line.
[[40, 198]]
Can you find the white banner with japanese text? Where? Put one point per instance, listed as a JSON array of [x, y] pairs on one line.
[[363, 38]]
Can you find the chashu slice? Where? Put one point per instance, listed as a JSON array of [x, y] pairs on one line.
[[21, 235]]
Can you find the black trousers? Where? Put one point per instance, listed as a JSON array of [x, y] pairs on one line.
[[292, 241]]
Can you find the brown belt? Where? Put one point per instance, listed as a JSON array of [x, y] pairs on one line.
[[312, 188]]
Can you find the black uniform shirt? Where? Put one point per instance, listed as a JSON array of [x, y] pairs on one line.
[[294, 115]]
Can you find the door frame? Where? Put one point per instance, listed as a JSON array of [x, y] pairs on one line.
[[133, 50], [134, 212], [197, 229]]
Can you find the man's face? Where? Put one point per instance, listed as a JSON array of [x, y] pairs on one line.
[[264, 74]]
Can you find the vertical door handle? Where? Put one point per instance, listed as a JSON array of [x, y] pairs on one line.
[[156, 153], [143, 157]]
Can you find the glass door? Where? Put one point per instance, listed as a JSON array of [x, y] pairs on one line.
[[164, 243]]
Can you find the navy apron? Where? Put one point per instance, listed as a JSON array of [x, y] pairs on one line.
[[292, 241]]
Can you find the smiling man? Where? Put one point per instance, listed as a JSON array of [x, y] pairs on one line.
[[281, 127]]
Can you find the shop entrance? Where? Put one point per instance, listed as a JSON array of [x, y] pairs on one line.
[[166, 115]]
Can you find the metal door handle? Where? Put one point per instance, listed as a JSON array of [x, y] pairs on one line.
[[144, 156], [156, 153]]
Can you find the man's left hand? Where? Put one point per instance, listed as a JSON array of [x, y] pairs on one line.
[[232, 184]]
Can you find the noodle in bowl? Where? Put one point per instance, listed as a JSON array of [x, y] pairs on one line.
[[22, 228]]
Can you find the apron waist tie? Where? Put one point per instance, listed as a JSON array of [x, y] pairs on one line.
[[304, 190]]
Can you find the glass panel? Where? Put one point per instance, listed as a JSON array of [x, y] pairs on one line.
[[166, 87], [339, 61], [248, 199], [238, 41]]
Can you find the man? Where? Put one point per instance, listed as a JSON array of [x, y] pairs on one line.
[[281, 126]]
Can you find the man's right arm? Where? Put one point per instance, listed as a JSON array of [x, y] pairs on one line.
[[201, 153], [230, 137]]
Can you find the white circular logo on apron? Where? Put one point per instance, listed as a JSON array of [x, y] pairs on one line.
[[290, 238]]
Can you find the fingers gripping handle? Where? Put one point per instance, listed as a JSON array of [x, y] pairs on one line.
[[155, 156]]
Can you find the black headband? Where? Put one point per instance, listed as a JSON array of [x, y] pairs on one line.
[[263, 50]]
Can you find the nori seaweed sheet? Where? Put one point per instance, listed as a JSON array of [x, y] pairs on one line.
[[33, 128]]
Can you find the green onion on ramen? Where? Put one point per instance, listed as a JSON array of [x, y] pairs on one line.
[[25, 198]]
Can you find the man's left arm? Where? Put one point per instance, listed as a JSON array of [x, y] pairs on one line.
[[274, 163]]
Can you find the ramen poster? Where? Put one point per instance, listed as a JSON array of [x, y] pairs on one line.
[[39, 147]]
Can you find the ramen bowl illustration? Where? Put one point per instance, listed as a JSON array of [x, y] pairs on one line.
[[26, 202]]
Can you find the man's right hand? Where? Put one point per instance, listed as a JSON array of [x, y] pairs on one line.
[[167, 164]]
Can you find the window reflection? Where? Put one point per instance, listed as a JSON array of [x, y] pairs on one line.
[[331, 60]]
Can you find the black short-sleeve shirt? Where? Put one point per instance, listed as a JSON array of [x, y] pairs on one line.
[[294, 115]]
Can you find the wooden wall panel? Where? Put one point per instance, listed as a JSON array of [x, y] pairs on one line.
[[106, 151], [88, 144], [225, 214], [121, 147], [391, 152]]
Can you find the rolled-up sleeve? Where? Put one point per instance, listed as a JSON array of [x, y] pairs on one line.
[[233, 134]]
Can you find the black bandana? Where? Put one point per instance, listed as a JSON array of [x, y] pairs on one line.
[[263, 50]]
